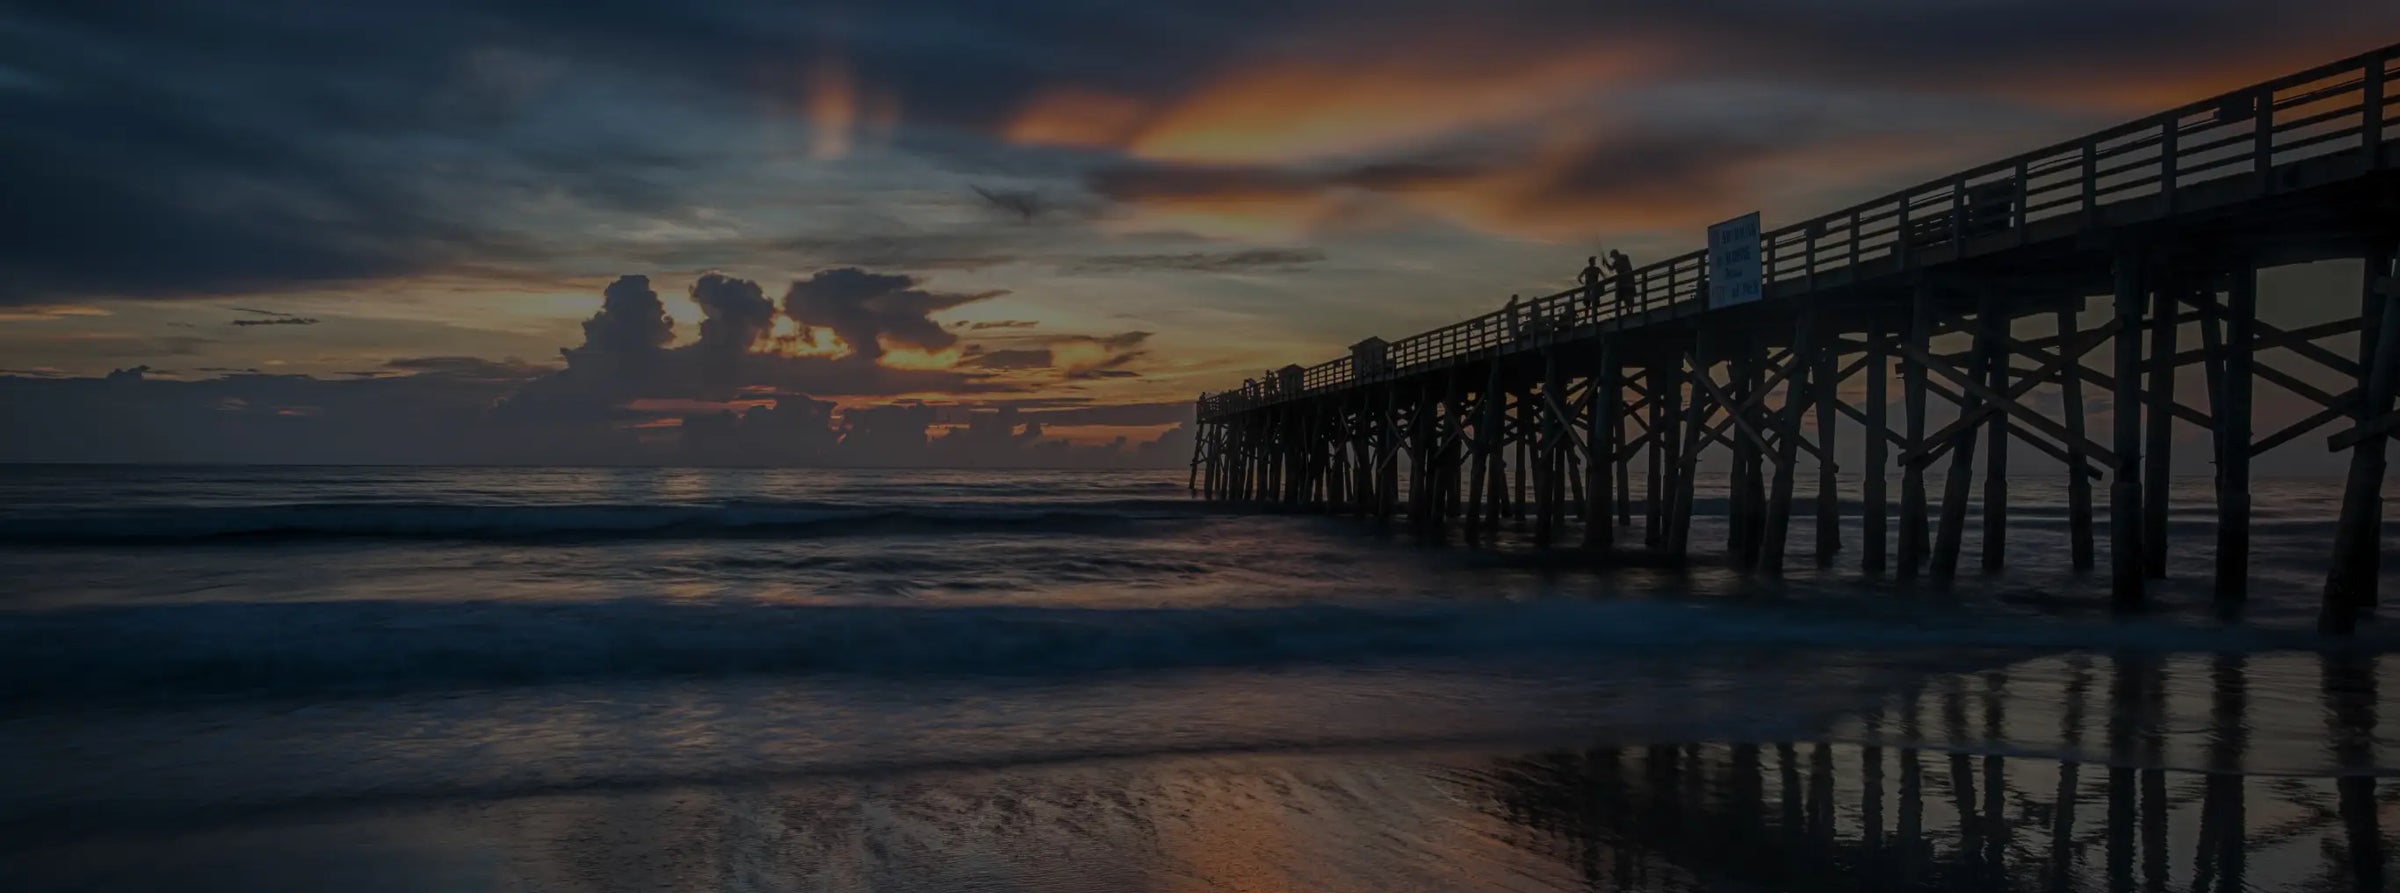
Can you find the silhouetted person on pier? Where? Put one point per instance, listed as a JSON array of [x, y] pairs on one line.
[[1621, 267], [1516, 329], [1590, 280]]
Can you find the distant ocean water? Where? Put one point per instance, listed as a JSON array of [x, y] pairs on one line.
[[186, 649]]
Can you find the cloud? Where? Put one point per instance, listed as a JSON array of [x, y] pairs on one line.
[[870, 311], [1025, 204], [736, 313], [982, 325], [48, 312], [631, 321], [1258, 259], [466, 368], [519, 139], [277, 321], [1011, 358]]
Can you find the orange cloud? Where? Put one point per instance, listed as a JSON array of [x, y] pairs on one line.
[[46, 312], [833, 107], [1077, 118], [1317, 107]]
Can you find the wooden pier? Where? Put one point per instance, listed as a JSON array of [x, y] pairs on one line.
[[1549, 412]]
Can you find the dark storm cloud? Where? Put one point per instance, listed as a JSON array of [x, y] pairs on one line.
[[625, 357], [868, 309], [1252, 260], [631, 320], [736, 312]]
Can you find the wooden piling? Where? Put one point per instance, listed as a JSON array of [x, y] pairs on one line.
[[2157, 473], [1827, 388], [1776, 527], [1912, 474], [1959, 482], [1878, 458], [1997, 329], [2079, 485], [2350, 588], [2233, 427], [1599, 529], [2126, 579]]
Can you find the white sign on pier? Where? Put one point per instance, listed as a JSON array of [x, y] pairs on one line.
[[1733, 262]]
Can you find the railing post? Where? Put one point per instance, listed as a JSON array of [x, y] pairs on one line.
[[2371, 110], [1854, 245], [2168, 134], [1900, 250], [2016, 214], [2091, 183], [2262, 141], [1958, 219]]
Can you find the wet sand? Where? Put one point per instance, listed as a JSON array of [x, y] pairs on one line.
[[2064, 772]]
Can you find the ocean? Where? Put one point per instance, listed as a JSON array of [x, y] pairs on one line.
[[308, 678]]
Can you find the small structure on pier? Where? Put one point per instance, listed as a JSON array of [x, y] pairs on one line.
[[2169, 218]]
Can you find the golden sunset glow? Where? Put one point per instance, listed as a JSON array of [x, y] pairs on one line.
[[833, 108], [1078, 118], [1312, 108]]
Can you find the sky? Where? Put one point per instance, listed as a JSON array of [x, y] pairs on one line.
[[912, 232]]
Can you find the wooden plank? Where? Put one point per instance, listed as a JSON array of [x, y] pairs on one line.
[[2025, 414], [2028, 380]]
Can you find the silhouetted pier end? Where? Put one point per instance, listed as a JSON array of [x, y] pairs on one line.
[[2122, 244]]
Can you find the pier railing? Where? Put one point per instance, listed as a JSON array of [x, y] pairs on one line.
[[2143, 169]]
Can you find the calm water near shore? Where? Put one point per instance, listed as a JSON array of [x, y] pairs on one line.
[[639, 679]]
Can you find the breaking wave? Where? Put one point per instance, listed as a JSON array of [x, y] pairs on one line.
[[255, 648]]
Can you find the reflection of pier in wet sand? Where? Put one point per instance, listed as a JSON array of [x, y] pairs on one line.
[[2153, 774]]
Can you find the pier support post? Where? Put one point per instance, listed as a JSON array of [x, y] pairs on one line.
[[1912, 474], [2079, 485], [2166, 299], [1778, 522], [1600, 451], [2233, 426], [1525, 460], [1827, 385], [2124, 482], [1996, 329], [1958, 484], [1665, 396], [2350, 587], [1872, 528], [1683, 465]]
